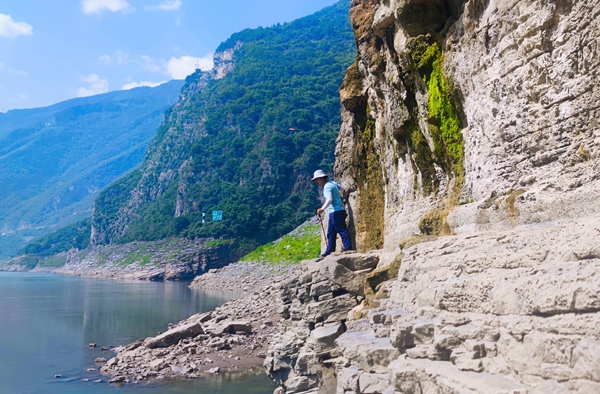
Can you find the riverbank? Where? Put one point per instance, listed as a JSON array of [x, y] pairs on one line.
[[233, 337], [168, 259]]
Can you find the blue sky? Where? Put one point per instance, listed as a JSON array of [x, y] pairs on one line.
[[53, 50]]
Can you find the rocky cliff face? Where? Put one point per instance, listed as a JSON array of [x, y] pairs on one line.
[[166, 153], [469, 146], [469, 115]]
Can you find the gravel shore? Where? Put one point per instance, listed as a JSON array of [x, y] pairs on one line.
[[248, 277], [233, 337]]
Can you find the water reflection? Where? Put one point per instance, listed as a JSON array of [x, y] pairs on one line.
[[47, 321]]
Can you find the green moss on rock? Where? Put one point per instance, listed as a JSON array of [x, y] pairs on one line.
[[415, 240], [422, 158], [435, 222], [443, 118], [384, 274], [370, 181]]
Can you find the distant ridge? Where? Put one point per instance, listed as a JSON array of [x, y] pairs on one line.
[[54, 160]]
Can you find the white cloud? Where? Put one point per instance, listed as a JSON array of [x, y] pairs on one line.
[[11, 29], [149, 64], [97, 6], [179, 68], [17, 72], [106, 59], [12, 71], [122, 57], [132, 85], [97, 86], [119, 57], [167, 5]]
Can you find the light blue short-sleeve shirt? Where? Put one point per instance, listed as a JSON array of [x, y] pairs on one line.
[[331, 190]]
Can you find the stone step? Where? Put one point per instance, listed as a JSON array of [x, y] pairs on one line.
[[368, 352], [426, 376]]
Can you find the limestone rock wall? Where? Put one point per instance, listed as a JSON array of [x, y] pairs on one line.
[[516, 78]]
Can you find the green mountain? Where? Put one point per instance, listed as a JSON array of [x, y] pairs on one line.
[[244, 139], [55, 160]]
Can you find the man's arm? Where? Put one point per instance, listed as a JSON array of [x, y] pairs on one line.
[[324, 207], [328, 198]]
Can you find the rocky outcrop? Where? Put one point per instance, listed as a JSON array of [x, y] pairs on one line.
[[315, 308], [471, 115], [492, 312], [469, 147]]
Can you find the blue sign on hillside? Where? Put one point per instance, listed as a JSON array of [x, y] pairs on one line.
[[217, 215]]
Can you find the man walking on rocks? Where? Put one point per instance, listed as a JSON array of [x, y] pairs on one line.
[[335, 208]]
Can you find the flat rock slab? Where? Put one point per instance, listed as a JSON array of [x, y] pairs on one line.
[[369, 353], [343, 277], [174, 335], [356, 261], [324, 337], [409, 374], [232, 327]]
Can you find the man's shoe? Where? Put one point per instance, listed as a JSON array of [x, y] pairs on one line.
[[324, 255]]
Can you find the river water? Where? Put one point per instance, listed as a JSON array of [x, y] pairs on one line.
[[47, 322]]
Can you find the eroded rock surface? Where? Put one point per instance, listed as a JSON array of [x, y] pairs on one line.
[[516, 311], [473, 115]]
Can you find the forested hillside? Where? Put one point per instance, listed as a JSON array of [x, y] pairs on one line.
[[55, 160], [245, 144]]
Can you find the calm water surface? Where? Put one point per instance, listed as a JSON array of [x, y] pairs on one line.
[[47, 322]]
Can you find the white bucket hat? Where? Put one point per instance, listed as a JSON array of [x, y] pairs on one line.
[[318, 174]]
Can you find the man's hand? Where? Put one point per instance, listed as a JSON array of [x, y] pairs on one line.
[[319, 211]]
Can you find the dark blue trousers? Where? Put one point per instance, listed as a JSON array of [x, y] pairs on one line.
[[337, 225]]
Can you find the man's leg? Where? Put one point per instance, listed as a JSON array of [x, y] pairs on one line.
[[331, 235], [341, 228]]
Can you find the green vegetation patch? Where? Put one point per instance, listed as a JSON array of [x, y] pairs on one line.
[[33, 261], [444, 121], [137, 257], [443, 117], [55, 261], [303, 245]]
